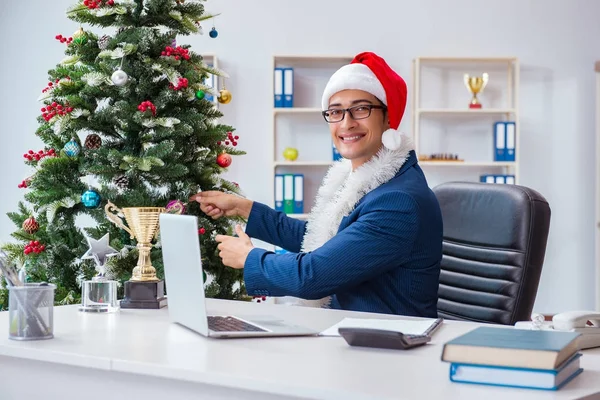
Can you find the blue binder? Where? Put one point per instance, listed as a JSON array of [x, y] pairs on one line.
[[298, 194], [499, 141], [510, 141], [210, 82], [336, 154], [278, 87], [487, 179], [288, 87], [279, 192]]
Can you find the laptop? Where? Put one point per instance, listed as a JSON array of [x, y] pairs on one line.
[[185, 290]]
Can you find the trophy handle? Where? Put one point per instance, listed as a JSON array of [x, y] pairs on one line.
[[485, 78], [111, 213], [466, 80]]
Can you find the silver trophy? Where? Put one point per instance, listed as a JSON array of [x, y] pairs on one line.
[[100, 293]]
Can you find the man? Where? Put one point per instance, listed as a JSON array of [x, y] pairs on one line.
[[373, 241]]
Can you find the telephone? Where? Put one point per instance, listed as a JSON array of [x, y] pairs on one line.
[[585, 322]]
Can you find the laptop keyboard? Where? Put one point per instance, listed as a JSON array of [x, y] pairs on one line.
[[231, 324]]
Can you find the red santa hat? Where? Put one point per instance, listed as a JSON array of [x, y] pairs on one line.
[[370, 73]]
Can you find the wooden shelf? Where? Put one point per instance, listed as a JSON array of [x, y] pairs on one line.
[[467, 163], [505, 108], [302, 126], [293, 110], [468, 59], [311, 58], [303, 163], [466, 111]]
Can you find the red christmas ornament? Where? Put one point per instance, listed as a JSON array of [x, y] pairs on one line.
[[30, 225], [224, 160], [202, 231]]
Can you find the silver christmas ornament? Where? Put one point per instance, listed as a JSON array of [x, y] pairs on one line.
[[119, 77]]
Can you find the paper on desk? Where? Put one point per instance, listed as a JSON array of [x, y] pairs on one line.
[[416, 327]]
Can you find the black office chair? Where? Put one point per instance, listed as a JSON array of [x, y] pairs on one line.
[[493, 250]]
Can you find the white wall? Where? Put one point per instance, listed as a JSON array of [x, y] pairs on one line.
[[556, 42]]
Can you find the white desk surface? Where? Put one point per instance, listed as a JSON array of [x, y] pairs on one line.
[[145, 343]]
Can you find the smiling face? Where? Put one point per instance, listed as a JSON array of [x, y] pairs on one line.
[[357, 139]]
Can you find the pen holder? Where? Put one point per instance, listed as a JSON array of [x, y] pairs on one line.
[[31, 311]]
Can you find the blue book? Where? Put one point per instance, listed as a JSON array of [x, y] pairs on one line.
[[511, 347], [528, 378]]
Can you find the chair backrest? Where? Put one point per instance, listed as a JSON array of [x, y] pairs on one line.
[[493, 250]]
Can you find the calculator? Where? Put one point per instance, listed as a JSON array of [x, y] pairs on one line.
[[382, 339]]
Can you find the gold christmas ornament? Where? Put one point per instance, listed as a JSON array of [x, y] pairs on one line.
[[224, 96], [80, 36]]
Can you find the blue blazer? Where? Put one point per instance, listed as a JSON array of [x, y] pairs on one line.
[[385, 257]]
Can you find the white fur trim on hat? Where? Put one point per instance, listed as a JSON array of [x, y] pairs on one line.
[[353, 76], [392, 139]]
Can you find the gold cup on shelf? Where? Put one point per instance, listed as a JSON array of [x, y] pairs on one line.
[[475, 85], [143, 289]]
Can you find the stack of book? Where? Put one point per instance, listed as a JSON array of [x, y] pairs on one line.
[[537, 359]]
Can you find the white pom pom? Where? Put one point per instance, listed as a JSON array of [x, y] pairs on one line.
[[392, 139]]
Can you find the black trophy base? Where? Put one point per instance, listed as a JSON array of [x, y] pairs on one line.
[[144, 295]]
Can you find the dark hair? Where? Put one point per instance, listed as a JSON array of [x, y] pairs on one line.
[[384, 110]]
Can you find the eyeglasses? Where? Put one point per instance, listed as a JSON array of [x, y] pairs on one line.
[[357, 112]]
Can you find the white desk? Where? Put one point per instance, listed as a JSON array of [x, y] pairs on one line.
[[138, 354]]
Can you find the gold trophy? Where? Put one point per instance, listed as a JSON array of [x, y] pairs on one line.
[[475, 85], [144, 289]]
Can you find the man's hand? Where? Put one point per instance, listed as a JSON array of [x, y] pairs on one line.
[[216, 204], [234, 250]]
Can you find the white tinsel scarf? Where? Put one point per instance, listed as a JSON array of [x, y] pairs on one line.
[[339, 193]]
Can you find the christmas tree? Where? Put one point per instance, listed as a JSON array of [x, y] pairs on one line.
[[126, 119]]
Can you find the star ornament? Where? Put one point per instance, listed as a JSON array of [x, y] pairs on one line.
[[99, 251]]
